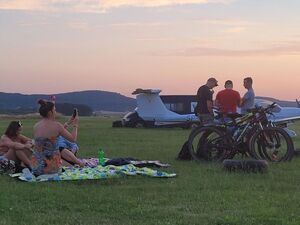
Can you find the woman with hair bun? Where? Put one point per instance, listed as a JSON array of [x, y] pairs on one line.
[[46, 159]]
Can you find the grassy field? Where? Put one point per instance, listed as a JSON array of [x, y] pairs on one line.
[[201, 194]]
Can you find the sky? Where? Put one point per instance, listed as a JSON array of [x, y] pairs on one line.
[[61, 46]]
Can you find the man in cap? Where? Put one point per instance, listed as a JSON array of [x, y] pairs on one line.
[[228, 99], [248, 99], [205, 101]]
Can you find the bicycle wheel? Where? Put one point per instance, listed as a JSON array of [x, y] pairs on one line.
[[272, 144], [208, 143]]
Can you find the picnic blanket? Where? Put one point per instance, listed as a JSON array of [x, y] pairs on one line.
[[95, 173]]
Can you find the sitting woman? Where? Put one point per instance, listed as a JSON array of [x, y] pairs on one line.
[[46, 158], [15, 146]]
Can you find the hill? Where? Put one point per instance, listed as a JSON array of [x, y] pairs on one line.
[[97, 100]]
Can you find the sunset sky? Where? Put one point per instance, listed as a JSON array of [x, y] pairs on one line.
[[175, 45]]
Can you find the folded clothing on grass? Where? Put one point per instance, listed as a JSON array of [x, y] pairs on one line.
[[93, 162]]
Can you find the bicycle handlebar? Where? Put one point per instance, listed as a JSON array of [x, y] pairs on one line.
[[260, 109], [252, 113]]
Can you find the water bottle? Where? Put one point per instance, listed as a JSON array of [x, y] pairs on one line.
[[101, 160]]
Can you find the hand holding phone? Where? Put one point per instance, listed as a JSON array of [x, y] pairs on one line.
[[75, 113]]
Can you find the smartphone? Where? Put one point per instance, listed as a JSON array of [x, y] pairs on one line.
[[75, 112]]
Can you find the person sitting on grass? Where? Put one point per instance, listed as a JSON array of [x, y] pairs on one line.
[[46, 158], [15, 146]]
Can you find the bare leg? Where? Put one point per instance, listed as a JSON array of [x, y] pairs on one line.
[[69, 156], [24, 156], [65, 163], [11, 155]]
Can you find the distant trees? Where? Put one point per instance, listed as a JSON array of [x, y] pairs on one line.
[[18, 111], [97, 100], [67, 109]]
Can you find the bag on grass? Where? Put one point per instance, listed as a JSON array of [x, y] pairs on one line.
[[7, 166]]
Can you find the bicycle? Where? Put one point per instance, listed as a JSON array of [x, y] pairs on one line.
[[251, 135]]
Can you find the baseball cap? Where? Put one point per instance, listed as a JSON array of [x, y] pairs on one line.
[[212, 79]]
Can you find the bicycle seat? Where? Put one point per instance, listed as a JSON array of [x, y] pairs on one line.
[[228, 115], [255, 110], [233, 115]]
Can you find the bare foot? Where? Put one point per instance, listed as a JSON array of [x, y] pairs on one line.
[[81, 163]]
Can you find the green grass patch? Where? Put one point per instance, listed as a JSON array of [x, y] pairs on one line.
[[201, 194]]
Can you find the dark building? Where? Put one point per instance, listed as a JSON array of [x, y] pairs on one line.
[[182, 104]]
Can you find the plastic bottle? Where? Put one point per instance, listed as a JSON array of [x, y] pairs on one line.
[[101, 160]]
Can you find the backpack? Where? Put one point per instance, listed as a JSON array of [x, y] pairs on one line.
[[184, 153]]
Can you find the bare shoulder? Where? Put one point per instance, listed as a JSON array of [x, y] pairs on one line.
[[36, 124]]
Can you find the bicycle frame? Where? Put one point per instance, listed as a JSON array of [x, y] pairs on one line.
[[255, 121], [235, 135]]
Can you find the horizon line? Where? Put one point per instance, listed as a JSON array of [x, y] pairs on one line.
[[98, 90]]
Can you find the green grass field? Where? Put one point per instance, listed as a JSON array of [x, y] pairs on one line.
[[202, 193]]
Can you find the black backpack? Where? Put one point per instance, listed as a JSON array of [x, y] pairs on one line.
[[184, 153]]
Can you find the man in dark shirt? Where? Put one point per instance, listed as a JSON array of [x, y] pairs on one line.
[[205, 101], [228, 99]]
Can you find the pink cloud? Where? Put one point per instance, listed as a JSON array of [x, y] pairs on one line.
[[292, 49], [94, 6]]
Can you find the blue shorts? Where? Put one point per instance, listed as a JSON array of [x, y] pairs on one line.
[[62, 143]]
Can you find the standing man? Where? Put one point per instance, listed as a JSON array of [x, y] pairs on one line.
[[205, 101], [228, 99], [248, 99]]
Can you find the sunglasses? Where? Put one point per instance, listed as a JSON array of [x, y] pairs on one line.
[[20, 124]]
